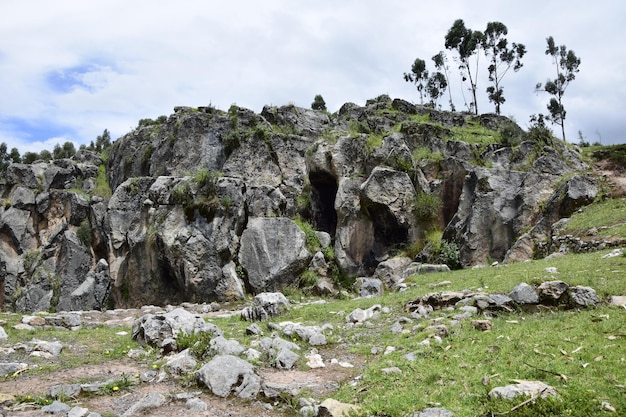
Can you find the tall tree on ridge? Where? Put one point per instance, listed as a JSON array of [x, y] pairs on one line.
[[418, 76], [502, 59], [467, 43], [566, 63], [440, 61]]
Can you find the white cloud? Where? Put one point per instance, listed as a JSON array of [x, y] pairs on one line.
[[129, 60]]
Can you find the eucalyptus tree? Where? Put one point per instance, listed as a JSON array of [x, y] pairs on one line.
[[502, 58], [441, 63], [467, 44], [418, 76], [566, 63], [436, 87]]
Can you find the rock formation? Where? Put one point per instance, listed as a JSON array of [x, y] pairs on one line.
[[202, 203]]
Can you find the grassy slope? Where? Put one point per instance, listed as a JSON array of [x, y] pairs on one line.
[[586, 347]]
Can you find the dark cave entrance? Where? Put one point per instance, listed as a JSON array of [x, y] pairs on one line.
[[388, 234], [323, 193]]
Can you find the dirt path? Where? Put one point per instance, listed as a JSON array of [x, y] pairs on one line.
[[320, 382]]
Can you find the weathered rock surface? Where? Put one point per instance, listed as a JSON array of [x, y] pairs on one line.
[[524, 388], [155, 329], [265, 306], [226, 374], [214, 224]]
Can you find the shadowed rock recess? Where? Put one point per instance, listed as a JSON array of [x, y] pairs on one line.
[[211, 205]]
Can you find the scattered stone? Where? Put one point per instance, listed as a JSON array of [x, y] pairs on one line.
[[526, 388], [391, 370], [314, 360], [181, 363], [222, 346], [550, 292], [254, 330], [368, 287], [391, 271], [225, 374], [23, 326], [311, 334], [433, 412], [524, 294], [149, 402], [333, 408], [439, 300], [396, 328], [420, 268], [196, 405], [389, 350], [482, 325], [78, 412], [606, 406], [154, 329], [440, 284], [286, 359], [343, 364], [551, 270], [613, 254], [618, 300], [3, 334], [421, 311], [64, 390], [54, 348], [438, 330], [252, 354], [136, 353], [266, 305], [34, 320], [359, 316], [581, 297], [57, 407]]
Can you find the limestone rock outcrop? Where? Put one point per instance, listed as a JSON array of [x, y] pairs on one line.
[[202, 203]]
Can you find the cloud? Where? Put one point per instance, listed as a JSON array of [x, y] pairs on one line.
[[82, 66]]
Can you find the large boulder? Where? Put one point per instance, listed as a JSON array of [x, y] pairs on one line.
[[273, 252], [226, 374], [155, 329], [495, 207], [388, 197]]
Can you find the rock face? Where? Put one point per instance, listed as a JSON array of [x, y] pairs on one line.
[[201, 205]]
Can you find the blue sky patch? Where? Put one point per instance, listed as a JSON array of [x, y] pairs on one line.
[[35, 130], [84, 76]]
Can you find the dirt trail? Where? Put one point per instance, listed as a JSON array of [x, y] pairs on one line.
[[319, 382]]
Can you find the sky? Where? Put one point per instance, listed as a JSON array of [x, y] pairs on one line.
[[71, 68]]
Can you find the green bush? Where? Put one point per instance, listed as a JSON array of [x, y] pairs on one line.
[[84, 233], [427, 208]]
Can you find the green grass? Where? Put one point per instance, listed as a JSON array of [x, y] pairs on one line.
[[102, 189], [93, 345], [579, 352], [610, 214], [473, 132], [585, 346]]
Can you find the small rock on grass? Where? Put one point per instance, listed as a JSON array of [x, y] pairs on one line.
[[482, 325], [333, 408], [433, 412], [150, 401], [529, 388], [57, 407]]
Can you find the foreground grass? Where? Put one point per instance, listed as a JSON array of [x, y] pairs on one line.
[[610, 213], [86, 346], [581, 353]]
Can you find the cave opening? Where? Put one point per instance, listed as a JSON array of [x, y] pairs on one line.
[[323, 193]]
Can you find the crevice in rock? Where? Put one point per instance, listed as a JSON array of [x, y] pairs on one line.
[[323, 193], [387, 232]]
